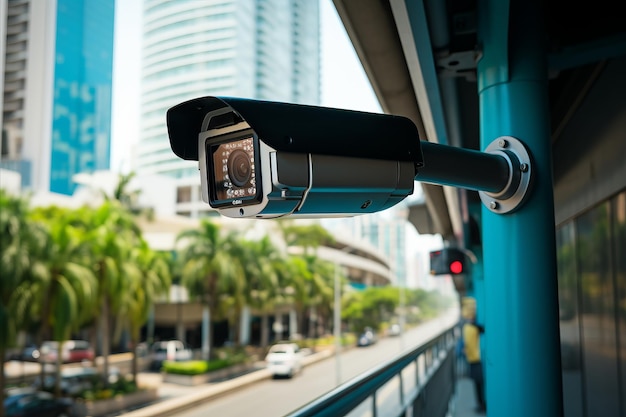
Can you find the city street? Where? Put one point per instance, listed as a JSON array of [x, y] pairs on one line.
[[272, 398]]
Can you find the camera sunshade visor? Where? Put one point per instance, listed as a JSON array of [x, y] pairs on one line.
[[299, 129]]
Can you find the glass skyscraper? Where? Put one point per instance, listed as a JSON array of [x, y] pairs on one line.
[[264, 49], [56, 115]]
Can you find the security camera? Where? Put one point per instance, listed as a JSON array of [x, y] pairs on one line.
[[267, 159]]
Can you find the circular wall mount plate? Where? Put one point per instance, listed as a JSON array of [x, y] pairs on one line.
[[520, 176]]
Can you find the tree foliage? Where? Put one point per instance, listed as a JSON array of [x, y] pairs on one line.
[[210, 268], [375, 306], [65, 269], [308, 236]]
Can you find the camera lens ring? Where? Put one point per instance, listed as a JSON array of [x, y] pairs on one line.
[[239, 167]]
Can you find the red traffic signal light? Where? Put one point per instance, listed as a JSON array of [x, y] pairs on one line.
[[447, 261], [456, 267]]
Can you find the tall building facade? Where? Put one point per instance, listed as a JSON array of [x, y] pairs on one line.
[[264, 49], [388, 234], [56, 109]]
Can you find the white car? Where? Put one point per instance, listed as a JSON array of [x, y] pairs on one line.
[[394, 330], [284, 359], [168, 350]]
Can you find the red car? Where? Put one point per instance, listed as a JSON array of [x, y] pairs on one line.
[[73, 351]]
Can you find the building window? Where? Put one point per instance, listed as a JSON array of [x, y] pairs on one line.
[[183, 194]]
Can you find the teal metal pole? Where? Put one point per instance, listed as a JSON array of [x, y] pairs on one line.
[[522, 351]]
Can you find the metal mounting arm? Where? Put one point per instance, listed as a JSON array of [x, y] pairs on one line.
[[501, 174]]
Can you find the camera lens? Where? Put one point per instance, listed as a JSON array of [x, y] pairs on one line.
[[239, 167]]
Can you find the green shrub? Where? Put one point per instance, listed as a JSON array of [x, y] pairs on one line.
[[194, 367], [123, 386], [186, 368], [99, 392], [202, 367]]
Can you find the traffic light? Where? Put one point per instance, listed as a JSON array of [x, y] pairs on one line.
[[448, 261]]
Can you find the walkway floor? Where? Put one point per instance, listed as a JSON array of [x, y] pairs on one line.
[[465, 401]]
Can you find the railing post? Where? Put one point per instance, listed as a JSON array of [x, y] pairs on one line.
[[522, 353]]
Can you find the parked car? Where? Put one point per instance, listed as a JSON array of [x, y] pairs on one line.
[[76, 380], [28, 402], [394, 330], [284, 359], [73, 351], [29, 353], [168, 350], [367, 338]]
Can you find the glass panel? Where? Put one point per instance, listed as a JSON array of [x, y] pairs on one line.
[[388, 398], [619, 244], [569, 321], [598, 313], [365, 409], [409, 379]]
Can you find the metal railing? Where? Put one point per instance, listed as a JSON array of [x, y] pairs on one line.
[[420, 382]]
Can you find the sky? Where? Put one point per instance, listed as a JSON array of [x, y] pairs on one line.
[[343, 84]]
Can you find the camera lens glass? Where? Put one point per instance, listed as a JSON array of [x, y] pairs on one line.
[[239, 167], [233, 171]]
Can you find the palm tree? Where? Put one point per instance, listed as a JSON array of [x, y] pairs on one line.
[[264, 281], [316, 286], [210, 268], [129, 199], [19, 237], [298, 287], [309, 236], [231, 304], [63, 288], [147, 277], [111, 234], [319, 287]]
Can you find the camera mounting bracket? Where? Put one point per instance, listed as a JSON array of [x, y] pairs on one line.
[[520, 175]]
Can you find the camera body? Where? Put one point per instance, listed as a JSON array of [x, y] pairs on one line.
[[266, 159]]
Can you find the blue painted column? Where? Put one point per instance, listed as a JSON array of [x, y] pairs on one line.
[[522, 361]]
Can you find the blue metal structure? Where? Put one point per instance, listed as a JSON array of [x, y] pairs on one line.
[[520, 309], [550, 75]]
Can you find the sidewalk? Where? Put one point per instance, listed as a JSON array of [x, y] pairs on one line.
[[174, 398]]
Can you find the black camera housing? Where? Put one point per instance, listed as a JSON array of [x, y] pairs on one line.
[[301, 160]]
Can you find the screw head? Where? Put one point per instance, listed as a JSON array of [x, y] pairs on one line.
[[523, 167], [493, 205], [502, 143]]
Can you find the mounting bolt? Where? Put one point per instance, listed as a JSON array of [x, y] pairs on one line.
[[523, 167], [493, 205], [502, 143]]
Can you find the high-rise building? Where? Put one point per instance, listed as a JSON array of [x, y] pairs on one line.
[[266, 49], [388, 234], [56, 108]]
